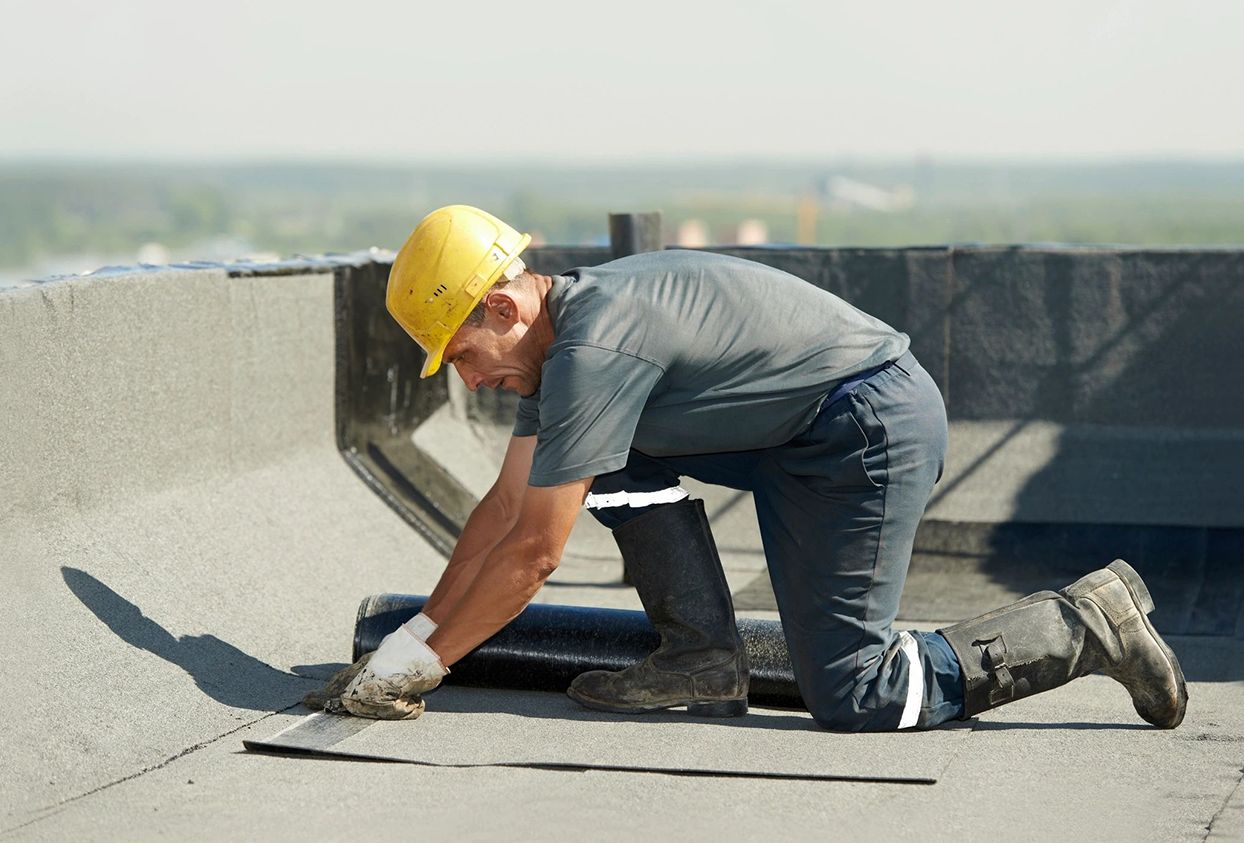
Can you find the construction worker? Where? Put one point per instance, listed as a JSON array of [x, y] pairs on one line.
[[657, 366]]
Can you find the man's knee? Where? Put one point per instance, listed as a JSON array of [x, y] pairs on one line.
[[843, 714], [858, 697], [833, 711]]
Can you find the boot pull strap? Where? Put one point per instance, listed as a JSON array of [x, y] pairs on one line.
[[994, 658]]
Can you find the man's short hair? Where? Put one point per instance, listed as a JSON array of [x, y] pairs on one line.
[[516, 270]]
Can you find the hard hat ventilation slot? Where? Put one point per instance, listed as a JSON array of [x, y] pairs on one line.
[[440, 288]]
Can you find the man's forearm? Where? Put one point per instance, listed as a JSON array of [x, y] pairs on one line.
[[513, 571], [506, 581], [486, 526]]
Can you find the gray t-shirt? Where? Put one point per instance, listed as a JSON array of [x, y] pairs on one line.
[[679, 352]]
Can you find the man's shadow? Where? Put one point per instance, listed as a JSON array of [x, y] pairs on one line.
[[222, 671]]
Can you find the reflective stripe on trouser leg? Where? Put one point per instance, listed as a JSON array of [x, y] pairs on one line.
[[915, 681], [934, 680], [613, 509], [635, 500], [618, 496]]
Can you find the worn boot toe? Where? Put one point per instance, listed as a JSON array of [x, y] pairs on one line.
[[1149, 669], [644, 687]]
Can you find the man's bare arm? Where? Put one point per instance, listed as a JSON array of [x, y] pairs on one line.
[[513, 571], [493, 517]]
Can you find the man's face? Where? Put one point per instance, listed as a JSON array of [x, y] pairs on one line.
[[494, 354]]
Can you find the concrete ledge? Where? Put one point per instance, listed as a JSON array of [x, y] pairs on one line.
[[1047, 472], [178, 527]]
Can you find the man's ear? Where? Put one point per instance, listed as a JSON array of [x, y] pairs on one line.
[[502, 304]]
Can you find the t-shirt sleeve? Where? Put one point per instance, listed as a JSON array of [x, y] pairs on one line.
[[527, 419], [590, 402]]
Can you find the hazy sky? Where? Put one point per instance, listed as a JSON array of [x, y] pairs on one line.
[[480, 79]]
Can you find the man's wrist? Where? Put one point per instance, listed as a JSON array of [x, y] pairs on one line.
[[421, 626], [401, 651]]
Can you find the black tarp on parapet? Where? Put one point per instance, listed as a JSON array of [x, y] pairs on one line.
[[1133, 356]]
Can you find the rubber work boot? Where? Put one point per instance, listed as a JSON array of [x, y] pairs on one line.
[[1047, 639], [701, 662]]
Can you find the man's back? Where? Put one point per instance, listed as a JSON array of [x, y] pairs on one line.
[[680, 352]]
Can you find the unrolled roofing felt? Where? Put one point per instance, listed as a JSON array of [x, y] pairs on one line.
[[486, 727]]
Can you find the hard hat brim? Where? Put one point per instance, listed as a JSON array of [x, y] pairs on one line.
[[432, 364]]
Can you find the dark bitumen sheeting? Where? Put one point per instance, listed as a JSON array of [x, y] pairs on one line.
[[547, 646], [380, 400], [466, 728]]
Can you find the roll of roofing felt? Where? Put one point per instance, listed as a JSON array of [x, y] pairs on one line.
[[547, 646]]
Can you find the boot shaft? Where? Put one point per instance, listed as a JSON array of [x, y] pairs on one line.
[[1047, 639], [700, 663], [676, 570], [1020, 650]]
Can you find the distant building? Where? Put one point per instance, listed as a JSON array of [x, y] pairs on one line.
[[752, 233], [846, 194], [692, 234], [153, 253]]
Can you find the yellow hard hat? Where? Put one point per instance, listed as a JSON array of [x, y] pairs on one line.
[[450, 261]]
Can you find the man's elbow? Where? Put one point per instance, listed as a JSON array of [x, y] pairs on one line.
[[530, 561], [540, 560], [543, 565]]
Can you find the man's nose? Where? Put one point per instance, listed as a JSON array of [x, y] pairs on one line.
[[470, 378]]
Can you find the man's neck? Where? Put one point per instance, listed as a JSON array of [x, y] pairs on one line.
[[541, 330]]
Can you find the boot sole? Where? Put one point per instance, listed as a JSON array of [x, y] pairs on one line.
[[695, 708], [1143, 599]]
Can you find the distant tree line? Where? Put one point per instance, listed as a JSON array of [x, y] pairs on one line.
[[48, 210]]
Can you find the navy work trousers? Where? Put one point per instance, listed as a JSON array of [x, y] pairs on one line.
[[838, 507]]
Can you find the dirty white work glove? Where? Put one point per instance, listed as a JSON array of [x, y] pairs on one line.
[[421, 626], [402, 668]]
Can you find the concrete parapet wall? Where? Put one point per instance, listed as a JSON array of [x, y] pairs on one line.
[[178, 529], [161, 378]]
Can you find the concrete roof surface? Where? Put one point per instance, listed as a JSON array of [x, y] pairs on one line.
[[185, 550]]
